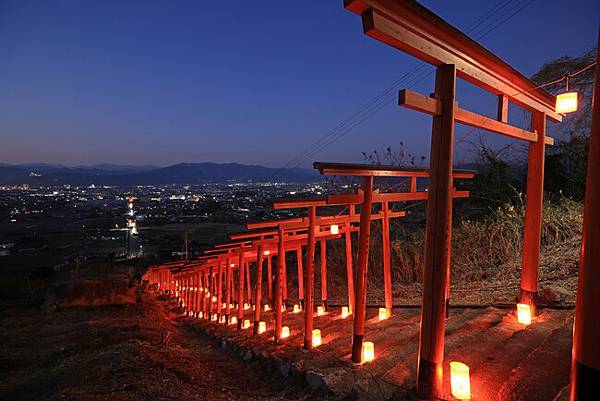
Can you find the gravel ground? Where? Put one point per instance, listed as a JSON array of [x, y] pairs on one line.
[[121, 353]]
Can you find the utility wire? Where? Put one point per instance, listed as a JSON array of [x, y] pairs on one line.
[[383, 99], [388, 90]]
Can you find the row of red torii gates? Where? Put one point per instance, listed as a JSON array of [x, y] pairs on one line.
[[207, 286]]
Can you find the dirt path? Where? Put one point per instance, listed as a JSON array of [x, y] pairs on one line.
[[121, 353]]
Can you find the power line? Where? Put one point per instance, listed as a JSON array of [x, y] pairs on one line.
[[383, 99]]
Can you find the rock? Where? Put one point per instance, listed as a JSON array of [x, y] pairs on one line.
[[116, 289], [284, 368], [315, 380], [552, 295]]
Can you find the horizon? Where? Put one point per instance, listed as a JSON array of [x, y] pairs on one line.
[[123, 84]]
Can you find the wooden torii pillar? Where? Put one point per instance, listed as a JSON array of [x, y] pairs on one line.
[[412, 28], [585, 367], [366, 198], [313, 223], [258, 288]]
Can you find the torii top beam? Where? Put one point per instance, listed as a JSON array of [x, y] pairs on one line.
[[304, 222], [366, 170], [412, 28]]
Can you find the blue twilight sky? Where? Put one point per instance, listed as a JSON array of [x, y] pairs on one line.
[[162, 82]]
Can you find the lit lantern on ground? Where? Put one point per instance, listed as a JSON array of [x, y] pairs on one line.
[[262, 327], [524, 313], [368, 351], [296, 308], [266, 253], [213, 318], [345, 312], [285, 332], [460, 383], [334, 229], [316, 337], [246, 306], [246, 324], [200, 314], [222, 319], [214, 299], [224, 305], [320, 310], [566, 102], [233, 320], [231, 306], [383, 314], [267, 308], [207, 294]]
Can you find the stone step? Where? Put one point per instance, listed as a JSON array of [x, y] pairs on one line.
[[460, 323], [500, 350], [545, 371]]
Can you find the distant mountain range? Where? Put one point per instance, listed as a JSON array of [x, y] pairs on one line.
[[119, 175]]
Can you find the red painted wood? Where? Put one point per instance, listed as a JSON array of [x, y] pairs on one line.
[[360, 301], [437, 239], [309, 279], [586, 347]]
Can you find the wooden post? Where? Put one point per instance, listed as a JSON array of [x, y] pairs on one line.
[[447, 314], [309, 278], [233, 290], [349, 270], [227, 290], [279, 284], [359, 309], [270, 280], [248, 282], [258, 288], [387, 262], [300, 276], [437, 239], [413, 184], [240, 311], [220, 287], [533, 213], [284, 283], [323, 246], [211, 291], [204, 291], [186, 293], [585, 368], [193, 295]]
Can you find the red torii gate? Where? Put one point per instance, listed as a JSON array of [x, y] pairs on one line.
[[312, 223], [276, 244], [410, 27], [340, 219], [366, 198]]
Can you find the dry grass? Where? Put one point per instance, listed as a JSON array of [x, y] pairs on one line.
[[486, 256]]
